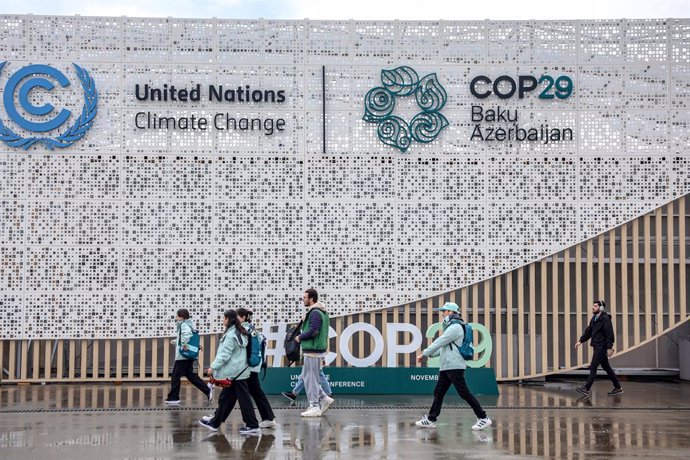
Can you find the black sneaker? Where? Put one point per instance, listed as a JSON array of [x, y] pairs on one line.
[[172, 402], [208, 424], [290, 395], [616, 391], [583, 391], [250, 431]]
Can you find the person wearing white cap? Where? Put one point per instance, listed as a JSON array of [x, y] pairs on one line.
[[452, 369]]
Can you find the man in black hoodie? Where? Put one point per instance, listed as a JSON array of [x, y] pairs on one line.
[[600, 331]]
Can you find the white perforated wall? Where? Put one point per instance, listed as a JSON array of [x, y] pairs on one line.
[[108, 237]]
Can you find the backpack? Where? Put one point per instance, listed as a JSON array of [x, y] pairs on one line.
[[292, 348], [466, 349], [192, 351], [256, 348]]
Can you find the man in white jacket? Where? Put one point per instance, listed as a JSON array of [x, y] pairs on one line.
[[452, 370]]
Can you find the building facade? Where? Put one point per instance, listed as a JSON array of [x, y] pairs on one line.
[[209, 164]]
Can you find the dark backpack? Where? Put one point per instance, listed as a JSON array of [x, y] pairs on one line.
[[192, 351], [292, 348], [466, 349]]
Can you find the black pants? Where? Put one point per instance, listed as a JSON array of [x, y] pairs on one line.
[[237, 392], [185, 367], [601, 358], [456, 377], [259, 397]]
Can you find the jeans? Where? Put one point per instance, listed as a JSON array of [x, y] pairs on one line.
[[325, 385], [184, 367], [600, 357], [455, 377]]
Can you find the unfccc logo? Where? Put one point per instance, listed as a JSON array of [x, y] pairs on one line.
[[21, 84]]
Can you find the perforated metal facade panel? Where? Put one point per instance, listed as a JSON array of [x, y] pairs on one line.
[[108, 237]]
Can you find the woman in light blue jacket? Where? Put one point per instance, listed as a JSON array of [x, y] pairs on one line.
[[184, 366], [452, 370], [231, 363]]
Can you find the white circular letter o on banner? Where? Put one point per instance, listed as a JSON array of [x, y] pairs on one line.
[[347, 334]]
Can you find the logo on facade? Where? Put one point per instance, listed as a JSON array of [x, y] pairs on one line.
[[26, 79], [379, 104]]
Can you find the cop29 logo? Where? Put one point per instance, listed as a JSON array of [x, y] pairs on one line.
[[20, 86], [379, 104]]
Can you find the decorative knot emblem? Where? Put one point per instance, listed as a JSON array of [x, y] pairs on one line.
[[403, 81]]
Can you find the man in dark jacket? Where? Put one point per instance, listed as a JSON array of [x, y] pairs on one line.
[[600, 334]]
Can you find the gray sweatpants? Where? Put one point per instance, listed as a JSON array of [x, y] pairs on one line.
[[312, 384]]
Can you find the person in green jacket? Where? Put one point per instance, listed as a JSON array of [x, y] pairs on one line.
[[184, 366], [231, 363], [452, 369], [314, 342]]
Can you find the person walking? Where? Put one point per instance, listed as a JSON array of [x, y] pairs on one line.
[[452, 370], [253, 382], [314, 343], [231, 365], [184, 366], [601, 339]]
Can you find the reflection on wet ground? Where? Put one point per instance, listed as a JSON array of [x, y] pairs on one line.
[[84, 421]]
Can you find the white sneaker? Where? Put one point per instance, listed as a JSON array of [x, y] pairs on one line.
[[424, 422], [482, 423], [326, 403], [267, 424], [207, 418], [172, 402], [313, 411]]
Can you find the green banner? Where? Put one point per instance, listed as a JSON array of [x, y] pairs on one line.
[[380, 380]]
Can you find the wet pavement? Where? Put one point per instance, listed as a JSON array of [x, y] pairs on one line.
[[650, 420]]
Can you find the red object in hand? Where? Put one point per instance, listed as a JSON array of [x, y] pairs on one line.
[[221, 383]]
